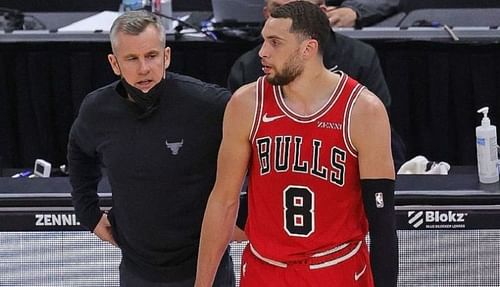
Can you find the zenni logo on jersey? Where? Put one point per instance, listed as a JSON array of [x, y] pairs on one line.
[[329, 125]]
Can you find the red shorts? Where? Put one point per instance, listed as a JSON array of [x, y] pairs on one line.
[[354, 271]]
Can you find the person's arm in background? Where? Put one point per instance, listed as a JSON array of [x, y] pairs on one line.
[[361, 13], [360, 61], [84, 176], [369, 73], [372, 77], [370, 133], [222, 207], [236, 75], [246, 69]]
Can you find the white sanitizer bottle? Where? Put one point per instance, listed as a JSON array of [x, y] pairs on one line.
[[487, 152]]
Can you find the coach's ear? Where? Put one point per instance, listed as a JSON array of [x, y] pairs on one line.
[[114, 64], [167, 57]]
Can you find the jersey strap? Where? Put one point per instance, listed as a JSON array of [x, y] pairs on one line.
[[259, 95]]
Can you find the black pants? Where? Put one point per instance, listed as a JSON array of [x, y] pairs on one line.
[[224, 277]]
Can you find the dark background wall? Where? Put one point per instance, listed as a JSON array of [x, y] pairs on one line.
[[436, 87]]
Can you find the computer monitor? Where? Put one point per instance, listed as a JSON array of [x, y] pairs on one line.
[[238, 11]]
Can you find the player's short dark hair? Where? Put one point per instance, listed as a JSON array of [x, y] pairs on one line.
[[307, 19]]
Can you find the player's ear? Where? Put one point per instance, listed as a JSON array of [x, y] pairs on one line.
[[310, 48]]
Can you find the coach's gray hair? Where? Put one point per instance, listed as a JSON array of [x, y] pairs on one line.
[[134, 23]]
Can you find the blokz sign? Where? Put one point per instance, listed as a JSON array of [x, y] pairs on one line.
[[432, 219], [466, 217]]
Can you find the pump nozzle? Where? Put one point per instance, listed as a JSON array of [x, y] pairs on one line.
[[485, 121]]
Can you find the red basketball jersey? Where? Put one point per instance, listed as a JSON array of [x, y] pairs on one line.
[[304, 190]]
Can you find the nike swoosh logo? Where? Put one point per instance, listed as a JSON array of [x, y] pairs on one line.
[[358, 275], [267, 119]]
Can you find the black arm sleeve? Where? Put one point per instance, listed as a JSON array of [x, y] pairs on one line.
[[378, 199], [84, 176]]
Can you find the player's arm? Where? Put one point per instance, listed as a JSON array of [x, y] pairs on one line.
[[220, 214], [370, 132]]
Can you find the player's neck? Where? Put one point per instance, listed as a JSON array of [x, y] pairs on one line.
[[310, 91]]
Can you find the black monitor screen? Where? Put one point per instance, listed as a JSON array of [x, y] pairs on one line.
[[192, 5], [39, 168]]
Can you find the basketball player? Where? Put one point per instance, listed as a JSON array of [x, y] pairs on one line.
[[317, 148], [358, 59]]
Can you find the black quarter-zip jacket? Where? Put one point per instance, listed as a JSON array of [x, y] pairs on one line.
[[161, 170]]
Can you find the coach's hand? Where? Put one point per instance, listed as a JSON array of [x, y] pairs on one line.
[[103, 230]]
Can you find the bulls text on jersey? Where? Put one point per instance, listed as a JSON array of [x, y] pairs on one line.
[[274, 155]]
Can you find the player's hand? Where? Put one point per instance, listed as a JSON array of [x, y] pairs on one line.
[[103, 230], [341, 17]]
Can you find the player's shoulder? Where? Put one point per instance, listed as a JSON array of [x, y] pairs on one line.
[[368, 104], [242, 103], [246, 94]]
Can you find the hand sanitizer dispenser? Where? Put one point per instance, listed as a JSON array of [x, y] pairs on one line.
[[487, 153]]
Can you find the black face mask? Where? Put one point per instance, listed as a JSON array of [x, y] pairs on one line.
[[147, 102]]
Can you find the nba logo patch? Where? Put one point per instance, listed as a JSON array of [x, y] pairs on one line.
[[379, 200]]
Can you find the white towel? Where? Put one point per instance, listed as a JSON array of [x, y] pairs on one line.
[[421, 165]]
